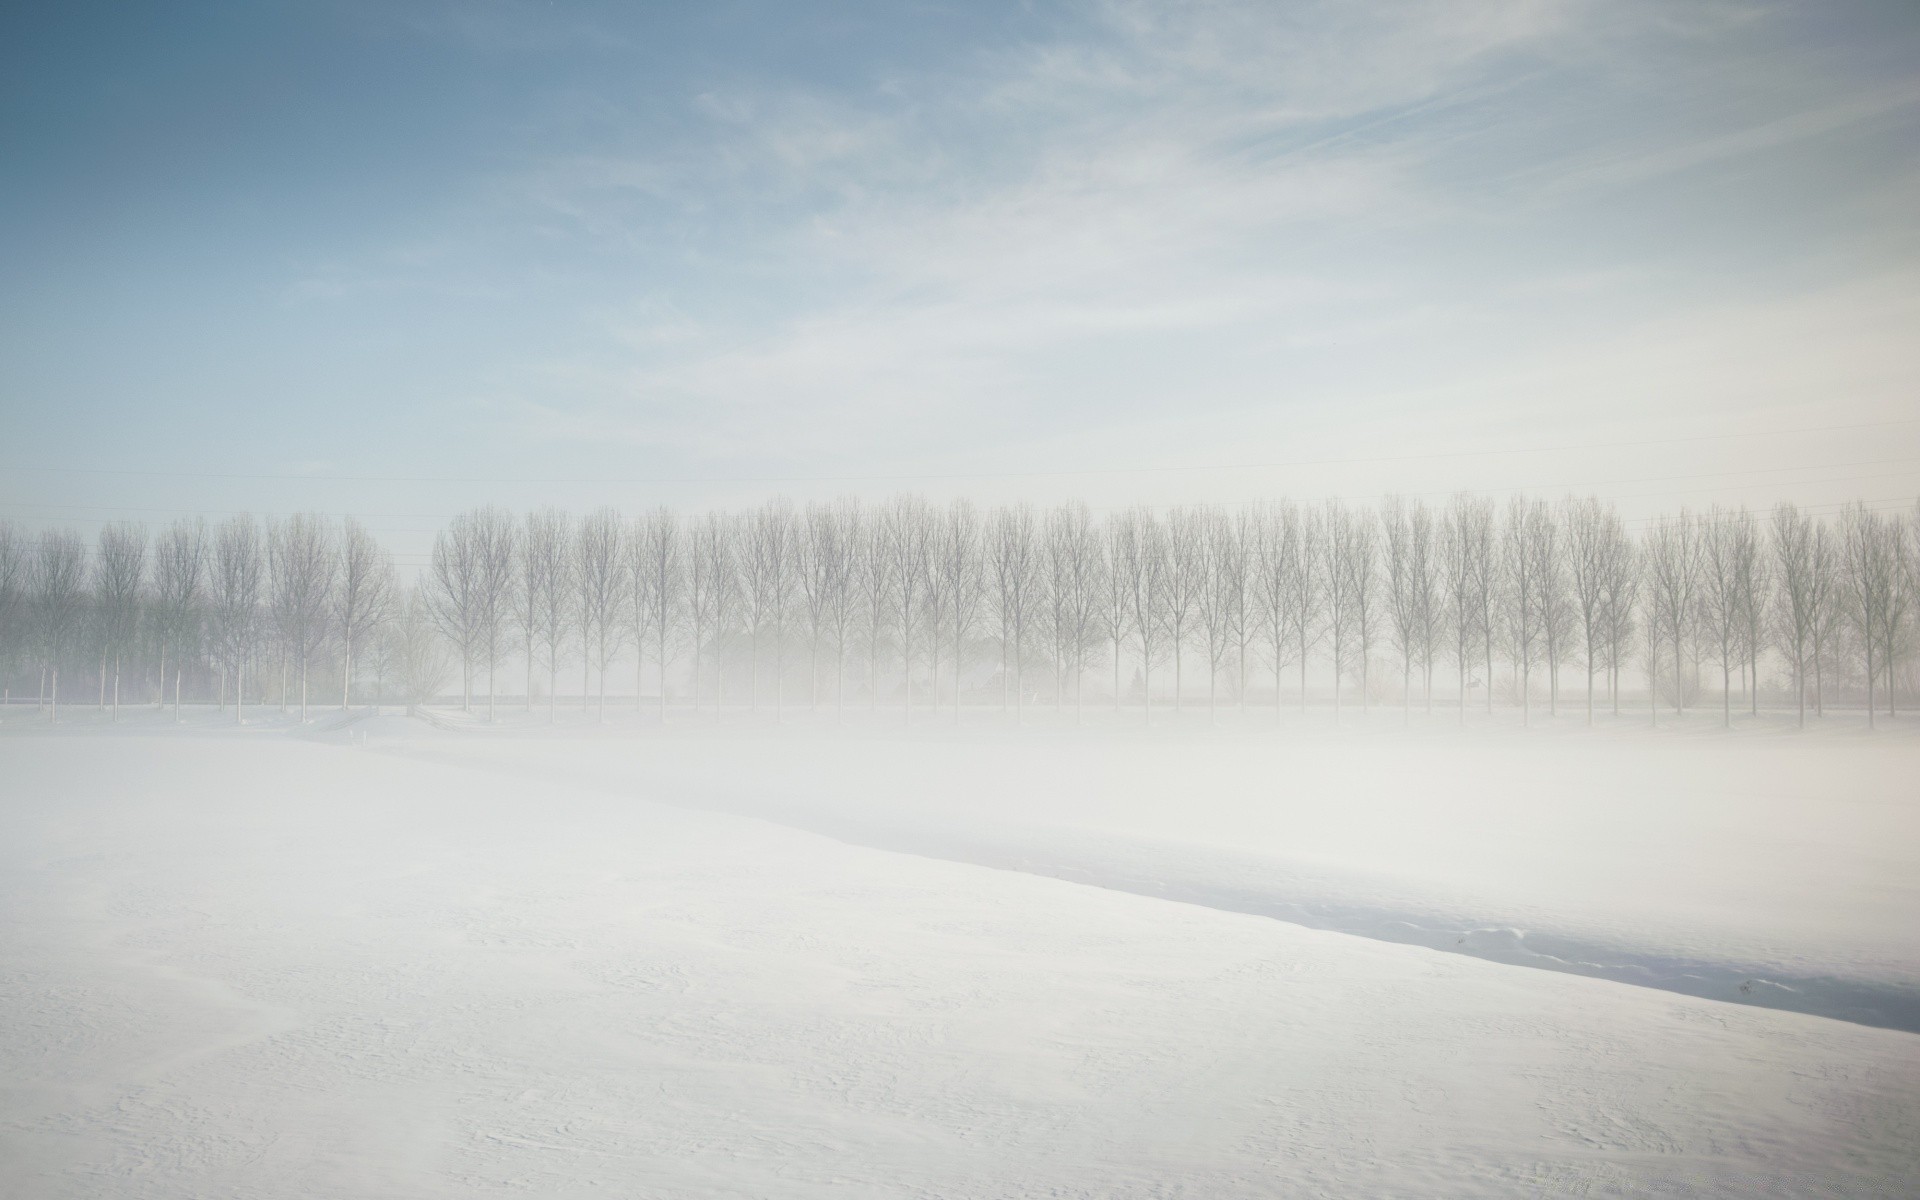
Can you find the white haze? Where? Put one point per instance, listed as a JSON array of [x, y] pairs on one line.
[[389, 955], [1070, 599]]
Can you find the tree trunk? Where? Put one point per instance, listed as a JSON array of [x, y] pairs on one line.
[[1800, 684], [1887, 657], [1489, 675], [1589, 685], [1679, 678], [1819, 680], [1463, 684], [1337, 680], [1871, 672]]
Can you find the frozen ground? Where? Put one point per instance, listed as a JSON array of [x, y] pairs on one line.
[[1779, 869], [252, 965]]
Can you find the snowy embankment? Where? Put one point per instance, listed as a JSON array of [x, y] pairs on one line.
[[263, 967], [1780, 870]]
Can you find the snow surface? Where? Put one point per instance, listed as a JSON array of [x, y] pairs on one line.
[[1776, 870], [252, 965]]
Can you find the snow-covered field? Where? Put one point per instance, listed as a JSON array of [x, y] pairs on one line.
[[409, 961], [1779, 869]]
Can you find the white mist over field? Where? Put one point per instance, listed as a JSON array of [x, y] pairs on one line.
[[424, 955], [1008, 600]]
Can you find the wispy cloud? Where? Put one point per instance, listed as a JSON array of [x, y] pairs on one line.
[[1197, 209]]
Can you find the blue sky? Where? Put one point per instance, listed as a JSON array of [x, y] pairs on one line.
[[397, 258]]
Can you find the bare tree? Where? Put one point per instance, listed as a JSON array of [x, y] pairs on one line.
[[766, 582], [362, 597], [1549, 553], [1144, 561], [1219, 600], [963, 580], [543, 598], [872, 590], [1185, 579], [1424, 566], [120, 571], [1620, 576], [304, 568], [873, 564], [418, 652], [1470, 579], [1352, 602], [1795, 599], [711, 584], [239, 584], [1893, 615], [846, 598], [1673, 588], [1828, 609], [657, 550], [58, 584], [1288, 580], [1873, 550], [1075, 585], [1012, 559], [821, 562], [15, 573], [498, 545], [1408, 534], [906, 531], [1521, 618], [1116, 596], [1248, 529], [1729, 544], [1589, 538], [179, 584], [1755, 581], [600, 581], [936, 601], [454, 593]]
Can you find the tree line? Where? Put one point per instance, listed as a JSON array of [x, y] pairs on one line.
[[918, 605]]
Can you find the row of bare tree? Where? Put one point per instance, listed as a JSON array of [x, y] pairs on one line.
[[922, 604]]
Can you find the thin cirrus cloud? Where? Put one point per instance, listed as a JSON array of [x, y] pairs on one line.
[[1227, 211], [1074, 237]]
